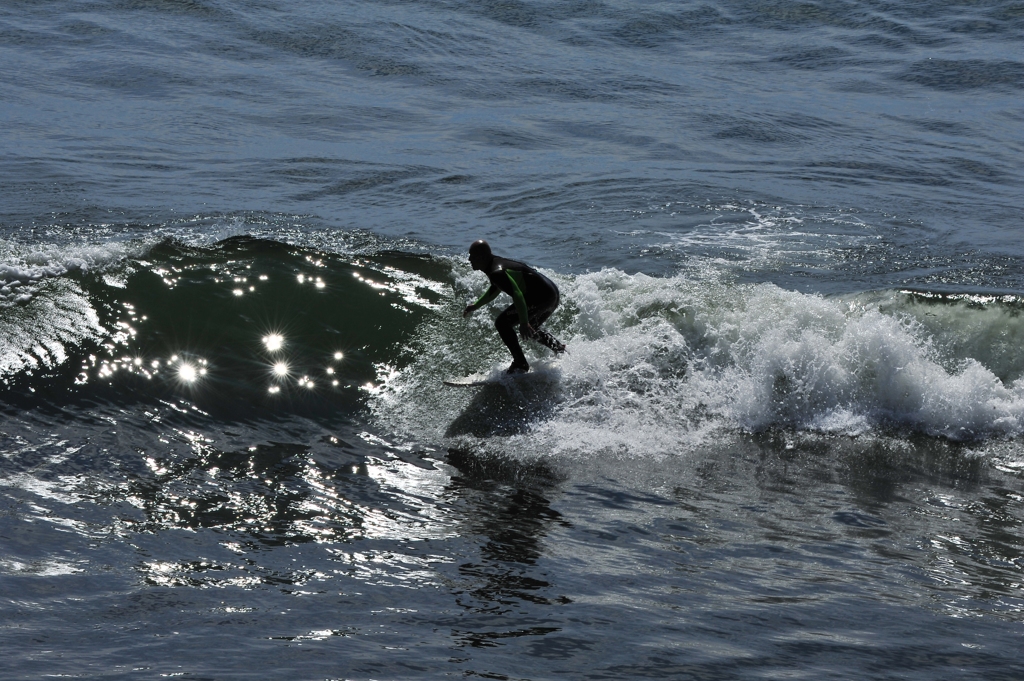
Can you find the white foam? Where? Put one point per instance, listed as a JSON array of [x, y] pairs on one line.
[[23, 267], [659, 366], [764, 237]]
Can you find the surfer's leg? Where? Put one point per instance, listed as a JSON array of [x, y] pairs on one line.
[[537, 317], [506, 325]]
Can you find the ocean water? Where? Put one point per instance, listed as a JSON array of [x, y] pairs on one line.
[[787, 438]]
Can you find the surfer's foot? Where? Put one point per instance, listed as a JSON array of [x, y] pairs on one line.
[[518, 368]]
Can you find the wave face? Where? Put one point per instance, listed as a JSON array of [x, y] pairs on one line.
[[243, 328]]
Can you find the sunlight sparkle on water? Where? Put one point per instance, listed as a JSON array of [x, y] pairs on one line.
[[187, 373], [273, 341], [281, 369]]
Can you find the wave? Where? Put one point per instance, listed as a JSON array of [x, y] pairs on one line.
[[249, 328]]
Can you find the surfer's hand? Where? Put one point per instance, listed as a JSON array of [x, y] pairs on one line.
[[526, 331], [469, 310]]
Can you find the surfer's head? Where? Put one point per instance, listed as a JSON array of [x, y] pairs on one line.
[[480, 254]]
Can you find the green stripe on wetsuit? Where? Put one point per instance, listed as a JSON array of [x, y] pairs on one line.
[[518, 286]]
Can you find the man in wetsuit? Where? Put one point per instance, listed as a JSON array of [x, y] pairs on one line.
[[534, 298]]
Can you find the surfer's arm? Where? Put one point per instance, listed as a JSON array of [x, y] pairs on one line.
[[518, 284], [491, 293]]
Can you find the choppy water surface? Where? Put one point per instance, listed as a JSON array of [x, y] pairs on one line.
[[786, 439]]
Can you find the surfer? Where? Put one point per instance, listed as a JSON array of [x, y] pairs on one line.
[[534, 298]]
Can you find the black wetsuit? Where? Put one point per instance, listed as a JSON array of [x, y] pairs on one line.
[[534, 298]]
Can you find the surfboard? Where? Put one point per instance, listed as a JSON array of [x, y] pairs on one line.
[[501, 378], [473, 380]]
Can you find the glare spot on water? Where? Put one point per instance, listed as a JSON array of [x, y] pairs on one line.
[[187, 373], [281, 369], [274, 342]]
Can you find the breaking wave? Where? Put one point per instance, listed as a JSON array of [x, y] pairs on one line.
[[657, 366]]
